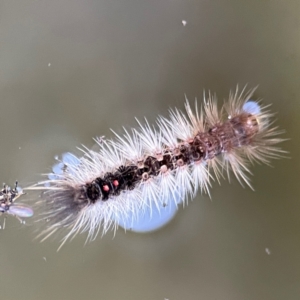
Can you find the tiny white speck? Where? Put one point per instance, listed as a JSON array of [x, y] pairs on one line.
[[56, 157], [184, 22], [44, 258], [19, 148], [268, 251], [49, 65]]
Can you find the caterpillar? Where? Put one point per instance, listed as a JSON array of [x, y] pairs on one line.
[[152, 168]]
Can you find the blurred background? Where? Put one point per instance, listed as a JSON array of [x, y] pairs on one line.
[[71, 70]]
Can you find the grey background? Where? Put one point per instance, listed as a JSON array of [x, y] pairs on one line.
[[114, 60]]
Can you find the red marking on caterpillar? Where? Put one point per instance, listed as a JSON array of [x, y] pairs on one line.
[[153, 167]]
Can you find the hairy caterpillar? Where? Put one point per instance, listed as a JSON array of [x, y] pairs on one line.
[[158, 166]]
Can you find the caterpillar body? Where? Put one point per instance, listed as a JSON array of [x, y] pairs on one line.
[[155, 167]]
